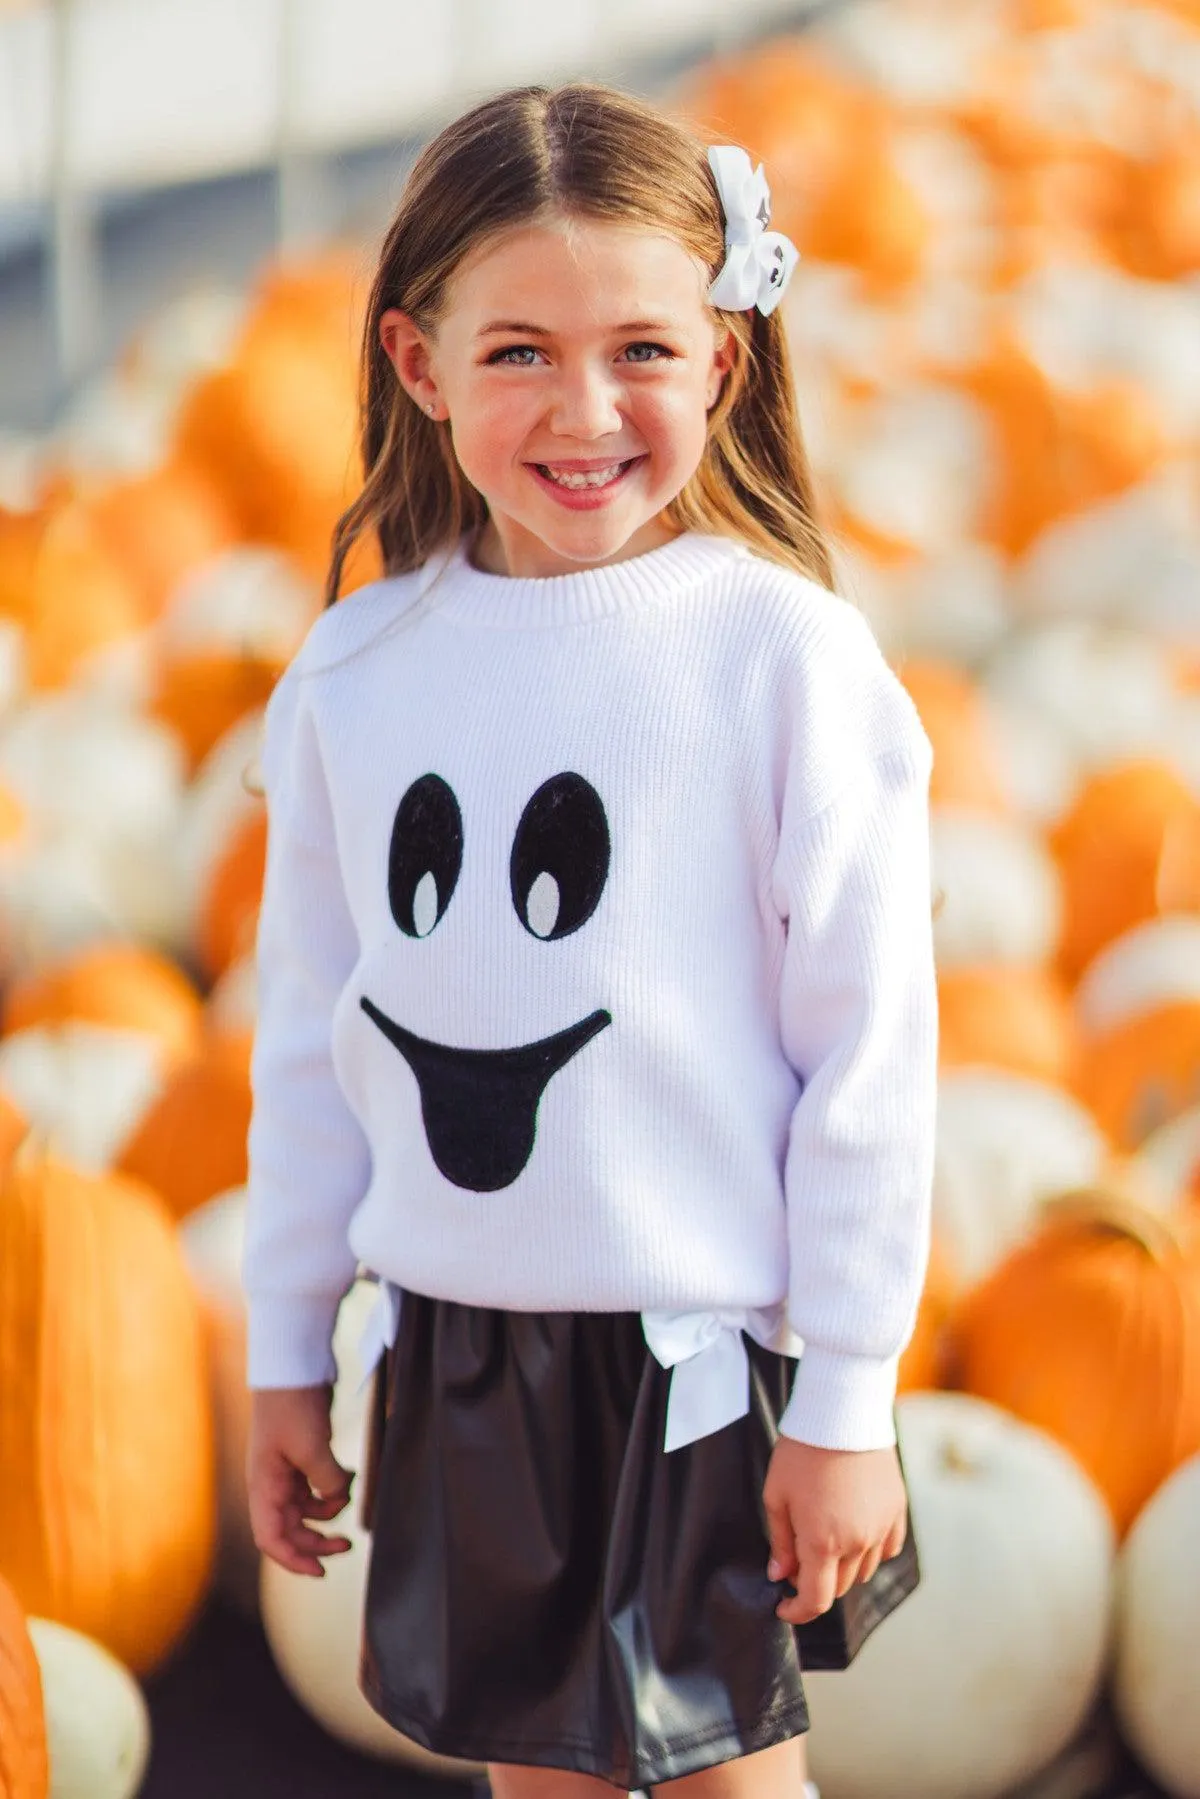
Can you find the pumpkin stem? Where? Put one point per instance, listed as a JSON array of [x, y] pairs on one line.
[[953, 1460], [30, 1149], [1160, 1235]]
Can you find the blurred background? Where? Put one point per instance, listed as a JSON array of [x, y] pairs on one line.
[[996, 331]]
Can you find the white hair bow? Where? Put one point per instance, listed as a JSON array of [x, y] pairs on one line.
[[758, 263]]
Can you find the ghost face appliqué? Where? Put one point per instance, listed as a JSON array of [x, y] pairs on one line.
[[479, 1106]]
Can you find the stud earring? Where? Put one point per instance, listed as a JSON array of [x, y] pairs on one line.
[[429, 407]]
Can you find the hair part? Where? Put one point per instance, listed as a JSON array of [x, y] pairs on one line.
[[580, 151]]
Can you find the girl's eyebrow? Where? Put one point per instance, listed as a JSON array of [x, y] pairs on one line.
[[523, 329]]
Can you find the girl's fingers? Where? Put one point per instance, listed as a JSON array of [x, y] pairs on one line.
[[856, 1569], [297, 1532], [275, 1541], [871, 1565], [893, 1543], [328, 1507], [294, 1562], [781, 1564], [816, 1589], [833, 1580], [314, 1542]]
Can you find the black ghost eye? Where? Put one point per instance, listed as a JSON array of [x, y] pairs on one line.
[[559, 857], [425, 855]]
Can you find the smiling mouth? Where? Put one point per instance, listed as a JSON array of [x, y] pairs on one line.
[[479, 1106], [578, 480], [584, 483]]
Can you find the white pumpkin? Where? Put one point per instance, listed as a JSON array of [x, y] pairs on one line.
[[1087, 321], [1158, 1633], [1000, 890], [1171, 1154], [248, 601], [1132, 560], [314, 1628], [1107, 691], [63, 892], [1152, 964], [1040, 771], [83, 763], [1003, 1143], [102, 790], [918, 468], [97, 1722], [952, 607], [83, 1087], [920, 55], [987, 1671], [212, 1237]]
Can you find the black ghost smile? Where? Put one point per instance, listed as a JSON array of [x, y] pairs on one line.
[[479, 1106]]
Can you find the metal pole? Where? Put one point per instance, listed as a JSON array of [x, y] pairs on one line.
[[74, 267], [304, 192]]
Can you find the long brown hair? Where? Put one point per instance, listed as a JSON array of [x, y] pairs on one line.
[[584, 151]]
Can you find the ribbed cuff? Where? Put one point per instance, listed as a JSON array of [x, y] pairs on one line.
[[289, 1339], [842, 1401]]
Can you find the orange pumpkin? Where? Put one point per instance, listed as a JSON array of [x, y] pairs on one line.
[[191, 1143], [791, 110], [276, 431], [922, 1363], [108, 1511], [68, 591], [162, 525], [21, 534], [229, 907], [1050, 15], [1143, 1071], [967, 766], [1091, 1332], [1159, 237], [202, 696], [1114, 846], [1008, 1017], [14, 1128], [1021, 412], [1113, 436], [123, 985], [24, 1757], [869, 215]]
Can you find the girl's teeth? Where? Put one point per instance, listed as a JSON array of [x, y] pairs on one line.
[[596, 477]]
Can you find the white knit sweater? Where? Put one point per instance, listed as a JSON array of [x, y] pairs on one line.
[[596, 966]]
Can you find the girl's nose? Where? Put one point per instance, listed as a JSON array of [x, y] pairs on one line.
[[586, 404]]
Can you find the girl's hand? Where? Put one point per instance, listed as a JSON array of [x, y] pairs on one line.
[[292, 1475], [833, 1515]]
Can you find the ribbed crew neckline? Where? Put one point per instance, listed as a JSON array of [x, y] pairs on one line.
[[507, 601]]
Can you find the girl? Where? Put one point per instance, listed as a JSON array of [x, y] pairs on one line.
[[597, 1008]]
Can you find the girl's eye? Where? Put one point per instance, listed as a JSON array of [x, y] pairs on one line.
[[425, 856], [518, 356], [657, 353]]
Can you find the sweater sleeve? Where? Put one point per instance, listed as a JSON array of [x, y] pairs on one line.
[[309, 1159], [859, 1025]]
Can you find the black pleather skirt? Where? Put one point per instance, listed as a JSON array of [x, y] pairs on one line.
[[547, 1586]]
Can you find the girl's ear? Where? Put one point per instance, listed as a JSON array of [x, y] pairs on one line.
[[724, 357], [409, 351]]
